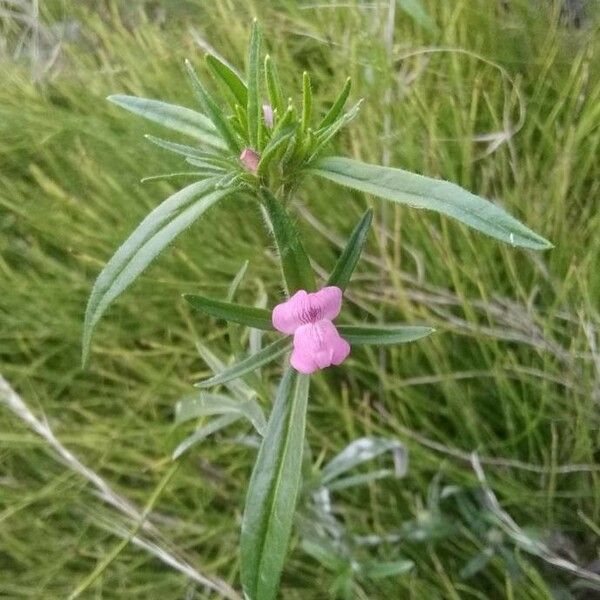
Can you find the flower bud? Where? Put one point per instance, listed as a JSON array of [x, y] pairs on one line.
[[250, 159]]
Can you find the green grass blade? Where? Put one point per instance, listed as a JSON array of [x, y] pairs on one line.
[[153, 234], [213, 111], [178, 118], [259, 318], [297, 272], [346, 263], [307, 101], [378, 335], [417, 12], [227, 76], [334, 112], [273, 491], [249, 364], [254, 108], [441, 196], [273, 86]]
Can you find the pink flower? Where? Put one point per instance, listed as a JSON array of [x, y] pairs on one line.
[[317, 343], [250, 159], [268, 115]]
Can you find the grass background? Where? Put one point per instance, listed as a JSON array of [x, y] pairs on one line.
[[505, 102]]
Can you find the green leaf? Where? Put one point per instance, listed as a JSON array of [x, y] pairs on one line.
[[307, 101], [184, 150], [273, 491], [203, 432], [207, 172], [416, 10], [254, 105], [334, 112], [417, 191], [381, 570], [237, 280], [232, 330], [249, 364], [477, 563], [378, 335], [250, 316], [202, 404], [226, 75], [358, 452], [361, 479], [213, 111], [297, 272], [151, 236], [274, 145], [273, 86], [178, 118], [346, 263], [325, 135], [239, 388]]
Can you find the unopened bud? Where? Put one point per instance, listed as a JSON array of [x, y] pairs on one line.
[[268, 115]]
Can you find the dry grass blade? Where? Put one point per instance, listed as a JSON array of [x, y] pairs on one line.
[[15, 403], [512, 529]]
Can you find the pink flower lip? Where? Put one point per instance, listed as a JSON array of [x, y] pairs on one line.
[[308, 317], [250, 159]]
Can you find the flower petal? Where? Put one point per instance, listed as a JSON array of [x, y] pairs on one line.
[[328, 301], [317, 346], [286, 317]]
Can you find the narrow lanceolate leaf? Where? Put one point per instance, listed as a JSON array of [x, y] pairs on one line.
[[153, 234], [381, 570], [324, 136], [213, 111], [379, 335], [254, 107], [229, 78], [259, 318], [273, 491], [273, 86], [202, 404], [297, 272], [276, 143], [203, 432], [360, 451], [346, 263], [334, 112], [189, 152], [178, 118], [251, 363], [237, 281], [441, 196], [237, 387], [307, 101]]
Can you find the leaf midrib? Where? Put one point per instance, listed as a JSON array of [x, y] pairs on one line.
[[523, 229], [273, 494]]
